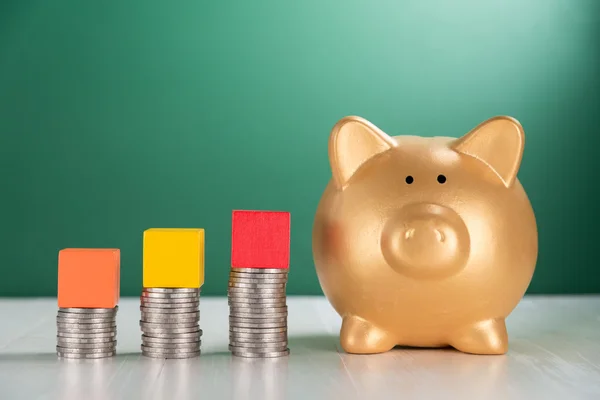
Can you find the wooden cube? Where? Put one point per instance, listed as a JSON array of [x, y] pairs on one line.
[[88, 278], [260, 239], [173, 258]]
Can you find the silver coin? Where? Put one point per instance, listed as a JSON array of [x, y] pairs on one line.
[[172, 322], [157, 301], [257, 275], [170, 330], [238, 286], [173, 333], [178, 336], [171, 312], [170, 319], [86, 317], [258, 314], [86, 355], [93, 320], [151, 339], [60, 349], [166, 306], [257, 310], [152, 314], [256, 303], [233, 296], [158, 350], [168, 326], [259, 299], [253, 343], [264, 305], [260, 278], [87, 346], [89, 310], [273, 292], [62, 339], [255, 307], [264, 312], [172, 346], [148, 295], [280, 302], [152, 293], [243, 341], [67, 320], [273, 320], [262, 345], [257, 337], [169, 343], [260, 270], [235, 329], [253, 354], [170, 356], [257, 285], [232, 292], [171, 290], [262, 325], [76, 328], [102, 335], [180, 310], [256, 317], [84, 312], [233, 281], [80, 331], [267, 312], [87, 327]]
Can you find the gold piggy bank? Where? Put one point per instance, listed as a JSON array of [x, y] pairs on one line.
[[425, 242]]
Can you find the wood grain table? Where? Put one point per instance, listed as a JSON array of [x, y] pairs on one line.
[[554, 354]]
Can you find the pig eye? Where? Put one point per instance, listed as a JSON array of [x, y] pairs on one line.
[[441, 179], [409, 179]]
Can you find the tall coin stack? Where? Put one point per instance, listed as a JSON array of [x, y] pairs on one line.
[[258, 312], [170, 301], [88, 294], [86, 332], [170, 322], [257, 284]]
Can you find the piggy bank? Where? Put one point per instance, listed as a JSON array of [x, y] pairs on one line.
[[425, 242]]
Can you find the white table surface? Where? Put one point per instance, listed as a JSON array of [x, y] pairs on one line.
[[554, 354]]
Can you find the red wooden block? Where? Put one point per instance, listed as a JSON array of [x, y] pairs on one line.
[[260, 239]]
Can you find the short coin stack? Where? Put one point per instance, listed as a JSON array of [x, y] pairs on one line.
[[86, 332], [88, 298], [258, 312], [170, 322]]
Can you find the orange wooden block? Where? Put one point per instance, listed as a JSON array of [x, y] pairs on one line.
[[88, 278]]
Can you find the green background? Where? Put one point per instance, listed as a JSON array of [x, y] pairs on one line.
[[118, 116]]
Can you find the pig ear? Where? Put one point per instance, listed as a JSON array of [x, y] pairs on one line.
[[498, 142], [352, 142]]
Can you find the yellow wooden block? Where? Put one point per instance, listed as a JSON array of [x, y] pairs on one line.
[[173, 258]]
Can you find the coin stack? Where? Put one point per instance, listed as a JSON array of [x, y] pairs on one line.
[[170, 322], [258, 312], [86, 332]]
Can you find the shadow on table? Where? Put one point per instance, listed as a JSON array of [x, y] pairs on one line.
[[27, 357], [321, 343]]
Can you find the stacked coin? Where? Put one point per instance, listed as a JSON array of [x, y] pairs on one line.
[[170, 322], [258, 312], [86, 332]]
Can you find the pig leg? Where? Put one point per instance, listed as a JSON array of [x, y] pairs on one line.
[[358, 336], [484, 337]]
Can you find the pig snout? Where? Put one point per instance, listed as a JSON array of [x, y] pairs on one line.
[[426, 241]]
